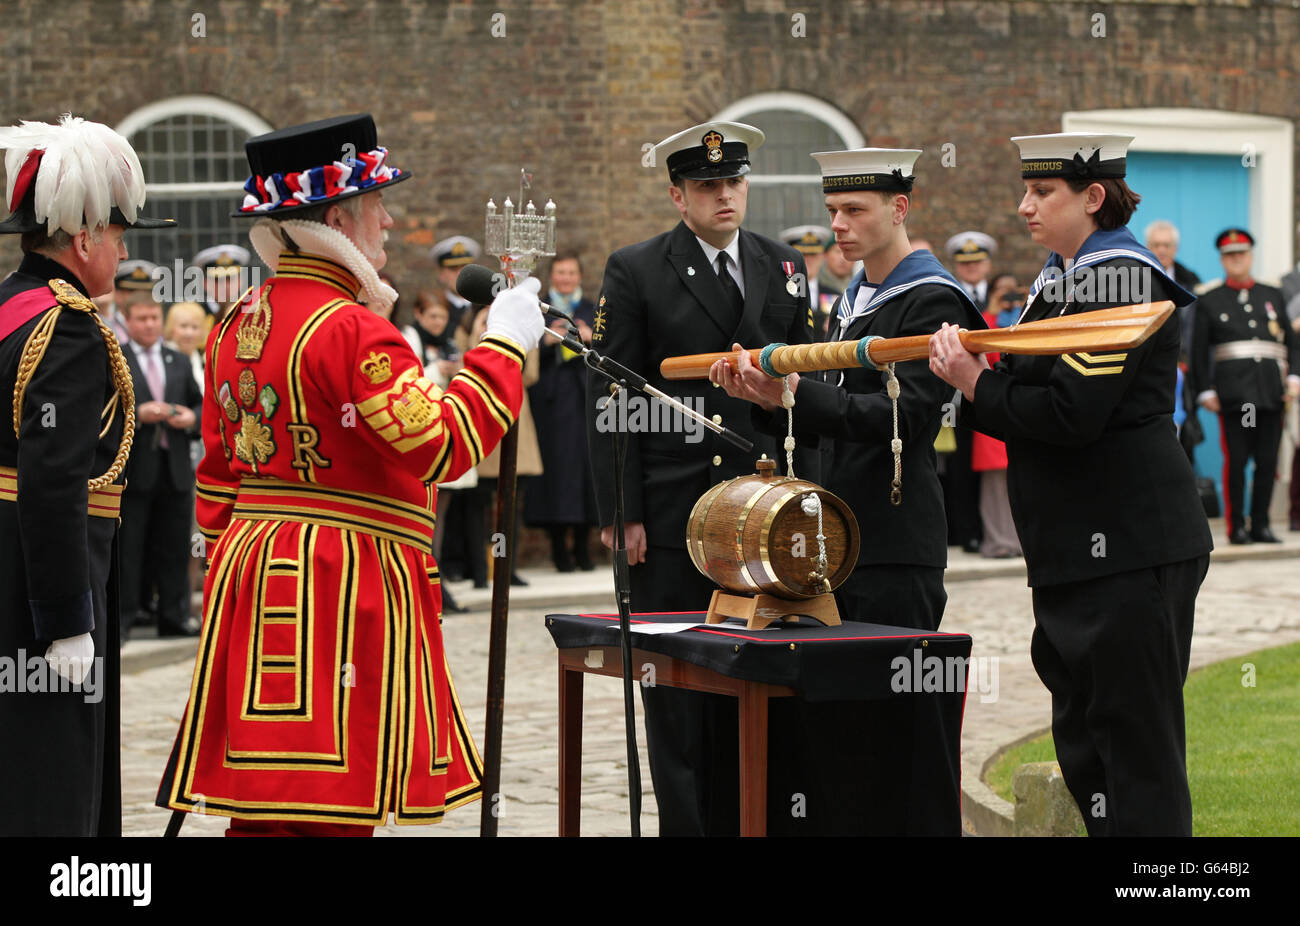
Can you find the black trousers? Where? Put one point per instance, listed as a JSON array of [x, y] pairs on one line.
[[961, 492], [60, 771], [1114, 653], [1260, 442], [156, 546], [834, 767]]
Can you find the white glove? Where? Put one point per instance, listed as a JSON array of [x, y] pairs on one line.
[[72, 657], [517, 315]]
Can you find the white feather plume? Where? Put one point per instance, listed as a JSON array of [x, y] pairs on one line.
[[86, 170]]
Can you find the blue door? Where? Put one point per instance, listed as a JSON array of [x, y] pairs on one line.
[[1202, 194]]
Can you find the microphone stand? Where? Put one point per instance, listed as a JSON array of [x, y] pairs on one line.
[[622, 380]]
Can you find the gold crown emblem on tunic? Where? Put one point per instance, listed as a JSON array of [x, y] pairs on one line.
[[251, 334], [377, 368]]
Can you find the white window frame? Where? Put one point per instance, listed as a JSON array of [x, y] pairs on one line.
[[193, 104], [800, 103], [1212, 131]]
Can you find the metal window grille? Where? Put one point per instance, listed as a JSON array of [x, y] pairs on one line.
[[785, 185], [195, 169]]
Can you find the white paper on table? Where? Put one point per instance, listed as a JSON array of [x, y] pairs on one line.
[[656, 628], [731, 623]]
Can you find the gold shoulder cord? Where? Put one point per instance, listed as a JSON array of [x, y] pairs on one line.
[[70, 298]]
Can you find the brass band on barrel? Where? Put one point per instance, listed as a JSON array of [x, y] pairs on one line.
[[764, 555], [741, 561], [695, 540]]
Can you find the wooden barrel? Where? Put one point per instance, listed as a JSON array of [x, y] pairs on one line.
[[751, 534]]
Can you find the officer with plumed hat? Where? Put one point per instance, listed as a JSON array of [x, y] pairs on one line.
[[72, 190]]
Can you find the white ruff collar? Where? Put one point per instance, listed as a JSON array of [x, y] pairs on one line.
[[314, 238]]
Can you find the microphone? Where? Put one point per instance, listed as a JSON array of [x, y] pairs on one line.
[[480, 286]]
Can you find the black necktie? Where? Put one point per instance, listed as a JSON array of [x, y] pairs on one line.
[[729, 286]]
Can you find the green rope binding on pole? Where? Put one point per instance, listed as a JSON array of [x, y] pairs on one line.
[[765, 360], [864, 358]]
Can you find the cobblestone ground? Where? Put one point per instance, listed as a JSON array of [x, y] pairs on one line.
[[1243, 606]]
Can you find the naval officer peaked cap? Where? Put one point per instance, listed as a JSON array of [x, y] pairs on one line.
[[969, 246], [314, 164], [808, 239], [886, 170], [456, 251], [1073, 155], [711, 151], [136, 275]]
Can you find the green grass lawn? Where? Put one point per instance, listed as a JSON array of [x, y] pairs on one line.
[[1243, 747]]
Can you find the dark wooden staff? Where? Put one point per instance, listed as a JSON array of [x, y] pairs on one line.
[[502, 570], [1119, 328]]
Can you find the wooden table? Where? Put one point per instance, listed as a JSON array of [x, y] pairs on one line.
[[675, 673], [838, 683]]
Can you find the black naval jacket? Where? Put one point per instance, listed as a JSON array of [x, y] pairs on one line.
[[1221, 317], [73, 381], [856, 423], [60, 774], [661, 298], [1097, 479]]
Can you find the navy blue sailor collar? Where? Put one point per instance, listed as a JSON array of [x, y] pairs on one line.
[[1103, 245], [916, 269]]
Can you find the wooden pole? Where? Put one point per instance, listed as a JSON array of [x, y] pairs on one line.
[[502, 569], [1119, 328]]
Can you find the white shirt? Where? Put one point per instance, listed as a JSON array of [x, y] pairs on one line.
[[733, 264]]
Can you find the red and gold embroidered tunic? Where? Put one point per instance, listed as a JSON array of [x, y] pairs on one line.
[[321, 690]]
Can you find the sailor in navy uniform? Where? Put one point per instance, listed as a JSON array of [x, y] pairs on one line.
[[812, 241], [225, 276], [1244, 356], [664, 297], [1104, 499], [899, 574], [971, 253], [898, 577], [449, 255]]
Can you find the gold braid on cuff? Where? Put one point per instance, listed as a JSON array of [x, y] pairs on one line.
[[70, 298]]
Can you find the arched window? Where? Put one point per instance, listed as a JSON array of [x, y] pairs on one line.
[[192, 152], [785, 186]]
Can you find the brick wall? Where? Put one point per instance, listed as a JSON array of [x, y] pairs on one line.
[[573, 90]]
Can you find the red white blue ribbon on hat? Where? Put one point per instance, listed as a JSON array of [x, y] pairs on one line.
[[318, 184]]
